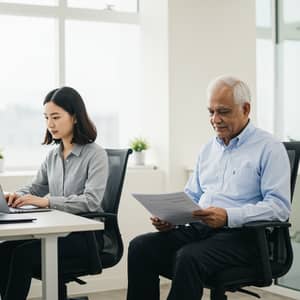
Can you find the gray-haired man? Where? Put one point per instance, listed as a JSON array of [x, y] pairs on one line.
[[241, 175]]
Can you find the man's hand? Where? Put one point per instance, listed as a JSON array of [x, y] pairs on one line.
[[161, 225], [214, 217], [28, 200]]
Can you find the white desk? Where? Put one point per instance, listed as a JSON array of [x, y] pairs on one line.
[[48, 227]]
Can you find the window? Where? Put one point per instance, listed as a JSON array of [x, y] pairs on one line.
[[44, 49], [291, 92], [278, 70], [278, 67], [290, 11], [264, 66], [289, 45], [28, 72], [263, 14], [106, 72], [265, 84]]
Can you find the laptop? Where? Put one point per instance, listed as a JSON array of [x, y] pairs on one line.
[[4, 208], [12, 218]]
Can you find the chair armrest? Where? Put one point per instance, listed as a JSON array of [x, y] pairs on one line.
[[265, 224], [259, 227]]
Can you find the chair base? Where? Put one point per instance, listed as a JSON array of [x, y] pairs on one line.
[[219, 294], [249, 293]]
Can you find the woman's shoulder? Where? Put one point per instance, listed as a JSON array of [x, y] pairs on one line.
[[55, 150], [94, 149]]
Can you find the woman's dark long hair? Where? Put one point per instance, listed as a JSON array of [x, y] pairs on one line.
[[68, 99]]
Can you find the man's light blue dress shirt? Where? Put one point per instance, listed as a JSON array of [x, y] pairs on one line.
[[250, 177]]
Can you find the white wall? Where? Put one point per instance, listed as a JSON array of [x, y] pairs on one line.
[[155, 85], [185, 45]]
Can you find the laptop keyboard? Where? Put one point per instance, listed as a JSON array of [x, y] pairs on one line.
[[18, 210]]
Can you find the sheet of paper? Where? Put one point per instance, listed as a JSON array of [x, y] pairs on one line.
[[175, 208]]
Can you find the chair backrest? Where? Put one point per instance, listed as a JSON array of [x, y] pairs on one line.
[[117, 161], [281, 253], [293, 150], [113, 245]]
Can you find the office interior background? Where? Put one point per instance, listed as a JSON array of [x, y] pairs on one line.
[[142, 68]]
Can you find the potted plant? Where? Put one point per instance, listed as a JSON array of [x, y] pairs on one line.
[[139, 145], [1, 161]]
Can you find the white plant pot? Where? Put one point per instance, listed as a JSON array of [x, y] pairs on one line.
[[1, 165], [139, 157]]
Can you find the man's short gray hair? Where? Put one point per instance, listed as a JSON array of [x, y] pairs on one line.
[[240, 90]]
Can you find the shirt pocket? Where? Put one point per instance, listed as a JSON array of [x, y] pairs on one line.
[[244, 180]]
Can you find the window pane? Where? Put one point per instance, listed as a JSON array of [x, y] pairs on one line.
[[27, 60], [103, 62], [264, 84], [122, 5], [263, 13], [291, 10], [37, 2], [291, 88]]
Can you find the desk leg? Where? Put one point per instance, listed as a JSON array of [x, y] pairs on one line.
[[49, 268]]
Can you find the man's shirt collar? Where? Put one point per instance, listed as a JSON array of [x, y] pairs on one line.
[[239, 139]]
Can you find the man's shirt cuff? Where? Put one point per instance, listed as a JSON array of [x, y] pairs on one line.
[[234, 217]]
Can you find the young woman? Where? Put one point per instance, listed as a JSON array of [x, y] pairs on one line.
[[72, 178]]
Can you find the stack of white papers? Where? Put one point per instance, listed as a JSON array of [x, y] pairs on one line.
[[175, 208]]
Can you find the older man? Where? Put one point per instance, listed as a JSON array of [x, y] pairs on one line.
[[241, 175]]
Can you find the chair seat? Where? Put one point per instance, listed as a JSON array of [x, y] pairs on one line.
[[108, 260], [79, 268], [76, 268]]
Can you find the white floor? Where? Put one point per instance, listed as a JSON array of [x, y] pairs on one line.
[[121, 295]]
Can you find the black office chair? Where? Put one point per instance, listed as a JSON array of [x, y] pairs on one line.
[[106, 246], [273, 239]]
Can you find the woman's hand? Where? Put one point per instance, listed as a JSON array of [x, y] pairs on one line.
[[161, 225], [10, 198], [29, 200]]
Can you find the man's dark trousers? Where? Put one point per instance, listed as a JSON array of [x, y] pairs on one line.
[[188, 255]]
